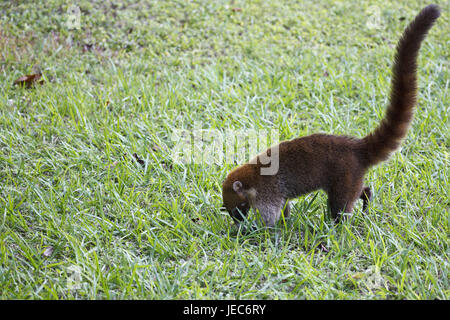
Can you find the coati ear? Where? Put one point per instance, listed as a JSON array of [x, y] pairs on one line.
[[248, 194], [237, 186]]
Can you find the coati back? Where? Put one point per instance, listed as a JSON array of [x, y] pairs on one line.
[[336, 164]]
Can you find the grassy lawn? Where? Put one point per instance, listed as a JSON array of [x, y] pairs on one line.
[[93, 206]]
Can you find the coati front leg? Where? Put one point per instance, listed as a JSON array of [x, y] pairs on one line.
[[270, 209], [287, 209]]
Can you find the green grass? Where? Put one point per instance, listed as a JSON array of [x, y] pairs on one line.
[[76, 206]]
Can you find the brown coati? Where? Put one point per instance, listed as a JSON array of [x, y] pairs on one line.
[[335, 164]]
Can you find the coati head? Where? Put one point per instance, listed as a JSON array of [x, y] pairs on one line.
[[235, 201], [238, 194]]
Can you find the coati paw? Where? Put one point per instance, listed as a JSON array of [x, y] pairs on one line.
[[366, 196]]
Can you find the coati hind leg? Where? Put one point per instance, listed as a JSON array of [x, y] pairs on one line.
[[342, 199], [366, 196]]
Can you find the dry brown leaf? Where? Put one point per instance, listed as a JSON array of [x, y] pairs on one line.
[[196, 220], [29, 80], [88, 47], [323, 248], [139, 160]]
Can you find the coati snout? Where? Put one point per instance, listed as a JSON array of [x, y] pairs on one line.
[[235, 201]]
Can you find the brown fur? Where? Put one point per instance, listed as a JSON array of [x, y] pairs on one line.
[[335, 164]]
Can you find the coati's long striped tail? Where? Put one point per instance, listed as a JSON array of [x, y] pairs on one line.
[[379, 144]]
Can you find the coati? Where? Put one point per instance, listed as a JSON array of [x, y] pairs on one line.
[[335, 164]]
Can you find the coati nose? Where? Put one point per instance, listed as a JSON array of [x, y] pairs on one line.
[[238, 214]]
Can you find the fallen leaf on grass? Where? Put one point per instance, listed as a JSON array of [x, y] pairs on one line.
[[139, 160], [29, 80], [88, 47], [48, 251], [323, 248]]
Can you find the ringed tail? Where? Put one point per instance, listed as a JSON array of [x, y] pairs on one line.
[[387, 137]]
